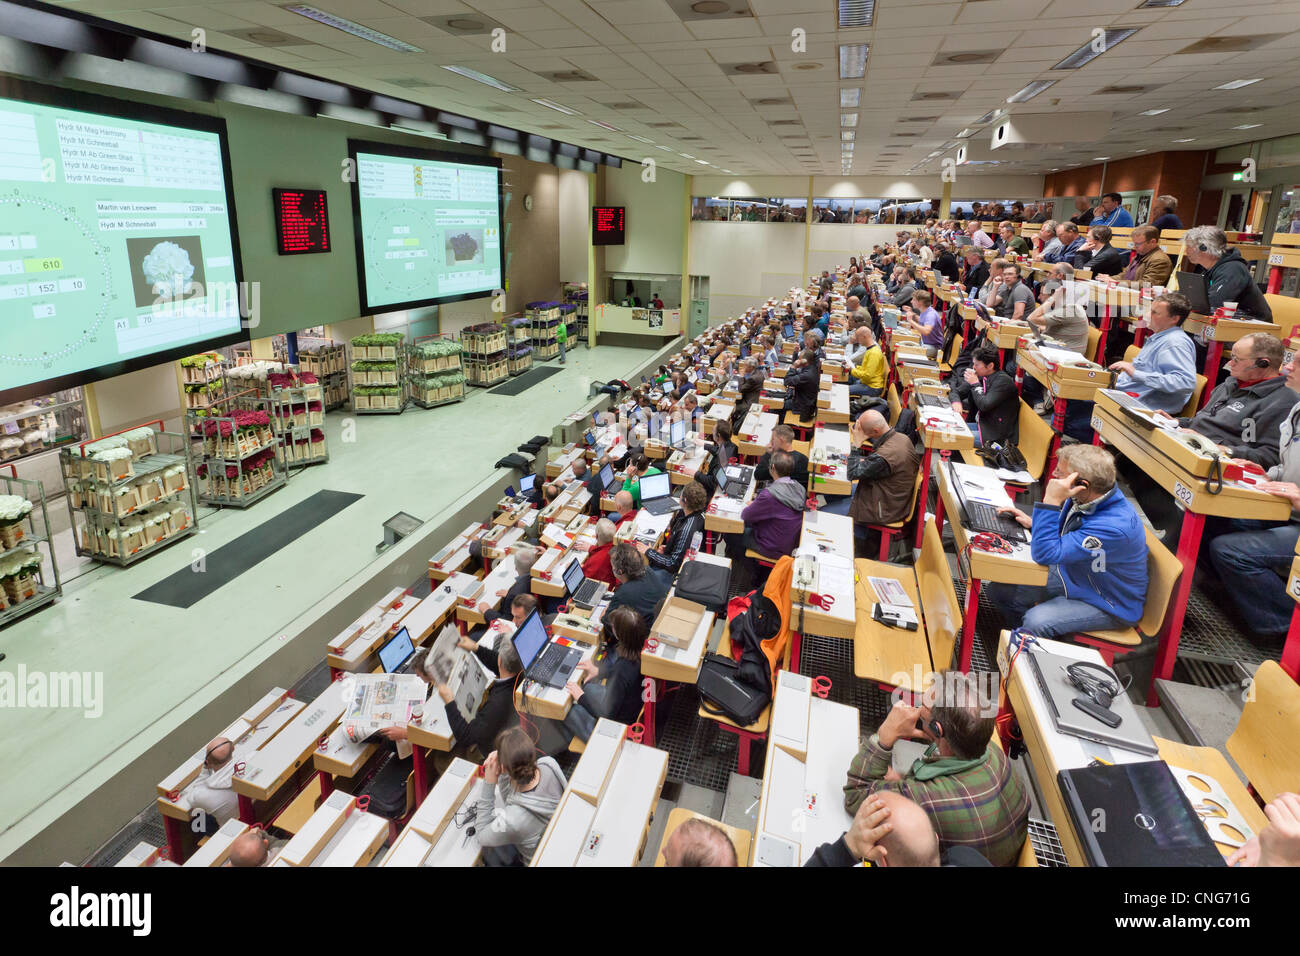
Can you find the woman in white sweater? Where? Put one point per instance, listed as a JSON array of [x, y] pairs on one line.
[[516, 798]]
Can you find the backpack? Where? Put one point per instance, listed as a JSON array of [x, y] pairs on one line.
[[740, 687]]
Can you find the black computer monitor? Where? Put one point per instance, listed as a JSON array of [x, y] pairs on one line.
[[526, 484], [529, 639], [396, 652]]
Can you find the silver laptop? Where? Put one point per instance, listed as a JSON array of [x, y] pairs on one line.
[[657, 494], [1055, 684]]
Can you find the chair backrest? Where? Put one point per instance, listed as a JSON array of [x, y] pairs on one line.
[[1194, 402], [1266, 743], [1163, 571], [1131, 353], [954, 350], [802, 447], [916, 493], [1035, 441], [940, 607], [895, 404], [1094, 336]]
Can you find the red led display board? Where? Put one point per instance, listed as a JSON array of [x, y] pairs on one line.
[[608, 225], [301, 221]]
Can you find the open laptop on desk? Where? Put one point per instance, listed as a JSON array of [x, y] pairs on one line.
[[526, 485], [545, 662], [608, 483], [657, 494], [1196, 287], [677, 436], [982, 516], [395, 656], [1148, 819], [585, 591]]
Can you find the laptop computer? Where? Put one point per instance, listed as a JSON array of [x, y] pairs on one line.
[[657, 494], [982, 516], [608, 483], [396, 652], [1055, 684], [589, 438], [1196, 287], [544, 661], [585, 591], [1135, 814], [526, 484], [677, 435]]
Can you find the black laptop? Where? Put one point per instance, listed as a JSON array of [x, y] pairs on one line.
[[1135, 814], [608, 483], [657, 494], [1196, 287], [544, 661]]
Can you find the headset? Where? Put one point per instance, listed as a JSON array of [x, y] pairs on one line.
[[1261, 363], [1102, 689]]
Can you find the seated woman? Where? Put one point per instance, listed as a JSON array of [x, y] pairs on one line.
[[684, 532], [613, 687], [516, 799]]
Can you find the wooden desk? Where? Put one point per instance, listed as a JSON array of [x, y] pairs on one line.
[[501, 578], [359, 652], [755, 433], [1063, 379], [833, 405], [1209, 762], [829, 537], [217, 848], [434, 835], [339, 833], [610, 830], [981, 566], [942, 430], [723, 514], [740, 839], [455, 555], [144, 855], [828, 470], [810, 745], [1214, 333], [1235, 499], [683, 465], [534, 700]]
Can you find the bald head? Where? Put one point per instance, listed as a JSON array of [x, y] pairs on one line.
[[579, 468], [911, 840], [623, 502], [872, 424], [853, 303], [219, 751], [250, 848], [700, 843]]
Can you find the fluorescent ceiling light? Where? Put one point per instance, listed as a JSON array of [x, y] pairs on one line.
[[355, 29], [849, 99], [1161, 3], [1088, 52], [1100, 159], [1030, 91], [1248, 126], [848, 119], [482, 78], [703, 163], [853, 60], [856, 13], [666, 149], [686, 155], [1238, 84], [612, 129], [990, 116], [1155, 112], [848, 135], [1192, 140], [639, 139], [557, 107]]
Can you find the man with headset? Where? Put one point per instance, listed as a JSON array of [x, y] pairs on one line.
[[1091, 540], [963, 781]]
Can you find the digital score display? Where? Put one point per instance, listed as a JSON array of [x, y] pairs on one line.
[[301, 221], [608, 225]]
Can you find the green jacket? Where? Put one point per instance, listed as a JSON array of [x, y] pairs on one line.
[[634, 485], [561, 332]]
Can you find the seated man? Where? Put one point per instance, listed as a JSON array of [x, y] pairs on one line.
[[1010, 240], [640, 587], [211, 791], [1097, 255], [1163, 373], [891, 830], [596, 565], [624, 508], [1255, 556], [923, 319], [991, 394], [964, 782], [638, 469], [774, 519], [1149, 265], [869, 371], [1062, 315], [497, 711], [803, 382], [699, 843], [1009, 298], [1094, 546], [886, 478], [524, 560], [250, 849], [1068, 243], [783, 440]]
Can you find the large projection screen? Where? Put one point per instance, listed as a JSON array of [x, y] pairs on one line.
[[118, 246], [428, 226]]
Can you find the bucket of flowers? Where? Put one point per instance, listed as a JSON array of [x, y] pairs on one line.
[[13, 509]]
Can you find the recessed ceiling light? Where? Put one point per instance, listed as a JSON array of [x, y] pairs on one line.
[[848, 119], [557, 107], [1238, 84], [1089, 52], [1248, 126], [849, 99], [1192, 140], [612, 129], [482, 78], [1030, 91], [1161, 3], [703, 163], [1155, 112], [990, 116], [1100, 159], [686, 155], [848, 135], [856, 13], [355, 29], [853, 60]]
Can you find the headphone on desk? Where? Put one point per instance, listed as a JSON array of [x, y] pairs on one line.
[[1101, 689]]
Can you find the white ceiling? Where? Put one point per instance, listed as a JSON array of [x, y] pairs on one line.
[[651, 66]]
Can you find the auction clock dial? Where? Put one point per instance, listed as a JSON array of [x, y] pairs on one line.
[[53, 261], [402, 245]]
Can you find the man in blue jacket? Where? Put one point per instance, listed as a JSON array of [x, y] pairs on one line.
[[1094, 545]]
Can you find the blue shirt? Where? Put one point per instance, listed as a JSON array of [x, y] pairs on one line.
[[1064, 253], [935, 336], [1168, 221], [1164, 371], [1119, 217]]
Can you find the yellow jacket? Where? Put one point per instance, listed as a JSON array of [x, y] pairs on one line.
[[871, 372]]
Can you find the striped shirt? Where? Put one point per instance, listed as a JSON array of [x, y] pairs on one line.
[[985, 808]]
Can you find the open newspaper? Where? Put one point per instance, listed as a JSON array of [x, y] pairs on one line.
[[460, 670], [372, 702]]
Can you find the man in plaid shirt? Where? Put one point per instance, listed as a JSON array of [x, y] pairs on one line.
[[964, 781]]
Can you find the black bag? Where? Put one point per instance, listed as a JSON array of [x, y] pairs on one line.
[[387, 788], [704, 583], [1006, 456], [722, 692], [514, 461]]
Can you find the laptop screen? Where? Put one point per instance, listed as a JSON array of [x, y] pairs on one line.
[[655, 486], [1195, 287], [394, 654], [676, 432], [573, 576], [526, 484], [589, 437], [606, 475], [529, 639]]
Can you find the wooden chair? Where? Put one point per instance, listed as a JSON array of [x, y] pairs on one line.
[[945, 365], [802, 447], [1094, 336], [1163, 571], [888, 532], [895, 404], [755, 732], [1266, 743], [1194, 402], [802, 427]]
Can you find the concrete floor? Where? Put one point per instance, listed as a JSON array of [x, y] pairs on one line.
[[158, 664]]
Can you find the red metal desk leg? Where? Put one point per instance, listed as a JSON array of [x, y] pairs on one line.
[[924, 493], [1189, 543], [418, 757], [1100, 357], [965, 330], [1139, 336], [246, 814], [1213, 356], [1058, 427], [1291, 649], [938, 513], [968, 623], [648, 738], [1274, 287], [326, 784], [175, 839], [796, 650]]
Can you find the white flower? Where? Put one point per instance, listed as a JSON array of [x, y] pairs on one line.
[[168, 270], [13, 507]]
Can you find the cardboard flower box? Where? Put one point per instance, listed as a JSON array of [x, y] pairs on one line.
[[361, 401], [11, 534]]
